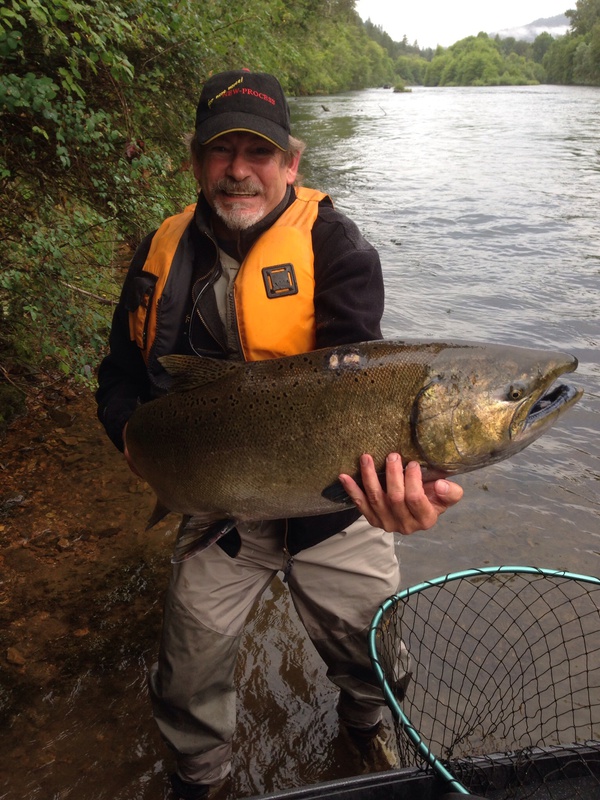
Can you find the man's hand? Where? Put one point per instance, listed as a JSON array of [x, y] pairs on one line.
[[408, 504]]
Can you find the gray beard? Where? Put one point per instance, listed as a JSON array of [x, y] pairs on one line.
[[238, 219], [234, 219]]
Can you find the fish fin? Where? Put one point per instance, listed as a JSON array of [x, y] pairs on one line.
[[336, 493], [160, 512], [189, 372], [196, 534]]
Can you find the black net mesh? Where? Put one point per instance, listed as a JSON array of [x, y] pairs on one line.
[[505, 686]]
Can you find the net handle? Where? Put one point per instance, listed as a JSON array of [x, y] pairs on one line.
[[390, 698]]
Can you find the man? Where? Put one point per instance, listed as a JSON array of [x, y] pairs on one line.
[[259, 268]]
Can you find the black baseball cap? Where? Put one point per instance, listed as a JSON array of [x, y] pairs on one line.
[[241, 100]]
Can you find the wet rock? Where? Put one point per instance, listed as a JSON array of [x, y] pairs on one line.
[[137, 488], [44, 539], [8, 503], [70, 441], [61, 417], [75, 458], [13, 656], [107, 533]]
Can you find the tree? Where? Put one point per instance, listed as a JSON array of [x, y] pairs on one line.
[[586, 59], [559, 59], [481, 61], [585, 15], [95, 97], [412, 69], [541, 45]]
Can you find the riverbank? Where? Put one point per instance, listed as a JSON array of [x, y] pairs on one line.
[[80, 596]]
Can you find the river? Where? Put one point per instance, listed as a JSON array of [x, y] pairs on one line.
[[483, 204]]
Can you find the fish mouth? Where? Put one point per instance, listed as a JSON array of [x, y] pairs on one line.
[[546, 409], [553, 400]]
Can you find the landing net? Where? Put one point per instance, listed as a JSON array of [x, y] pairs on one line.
[[504, 696]]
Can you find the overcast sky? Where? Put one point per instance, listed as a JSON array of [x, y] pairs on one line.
[[433, 22]]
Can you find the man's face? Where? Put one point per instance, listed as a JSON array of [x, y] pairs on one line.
[[243, 177]]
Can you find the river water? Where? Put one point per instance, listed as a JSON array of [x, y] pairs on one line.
[[483, 204]]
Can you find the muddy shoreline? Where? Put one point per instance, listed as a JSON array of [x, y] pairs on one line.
[[78, 572]]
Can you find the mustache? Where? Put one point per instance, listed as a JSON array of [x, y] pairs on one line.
[[247, 186]]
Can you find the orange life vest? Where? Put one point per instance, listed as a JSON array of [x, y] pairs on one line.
[[273, 291]]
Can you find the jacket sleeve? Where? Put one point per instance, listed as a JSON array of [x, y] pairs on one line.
[[349, 292], [122, 377]]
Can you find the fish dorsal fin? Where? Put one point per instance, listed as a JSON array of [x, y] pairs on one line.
[[190, 372]]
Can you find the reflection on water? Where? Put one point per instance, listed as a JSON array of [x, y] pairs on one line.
[[484, 206]]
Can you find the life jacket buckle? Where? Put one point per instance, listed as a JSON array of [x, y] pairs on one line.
[[280, 280]]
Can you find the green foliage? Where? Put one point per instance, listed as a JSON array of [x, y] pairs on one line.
[[481, 61], [411, 68], [540, 46], [511, 45], [71, 194], [95, 99], [584, 16], [394, 49], [559, 59], [575, 57], [586, 61], [326, 51]]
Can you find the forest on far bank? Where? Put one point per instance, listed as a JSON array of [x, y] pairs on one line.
[[95, 100], [481, 60]]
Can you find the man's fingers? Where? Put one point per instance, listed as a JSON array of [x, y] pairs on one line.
[[443, 494], [407, 504], [394, 477], [368, 501], [422, 515], [370, 479]]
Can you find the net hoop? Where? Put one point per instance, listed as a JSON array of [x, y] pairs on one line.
[[411, 732]]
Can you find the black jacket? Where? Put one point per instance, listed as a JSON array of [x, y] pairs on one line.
[[348, 307]]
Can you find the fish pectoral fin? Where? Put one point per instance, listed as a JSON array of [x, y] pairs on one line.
[[160, 512], [190, 372], [336, 493], [196, 534]]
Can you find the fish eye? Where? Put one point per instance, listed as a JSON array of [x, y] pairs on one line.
[[515, 392]]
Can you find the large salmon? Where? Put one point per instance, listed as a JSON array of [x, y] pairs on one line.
[[266, 440]]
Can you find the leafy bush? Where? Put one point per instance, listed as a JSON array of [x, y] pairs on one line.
[[481, 61], [95, 99]]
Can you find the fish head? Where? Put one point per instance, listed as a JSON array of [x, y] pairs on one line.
[[485, 403]]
